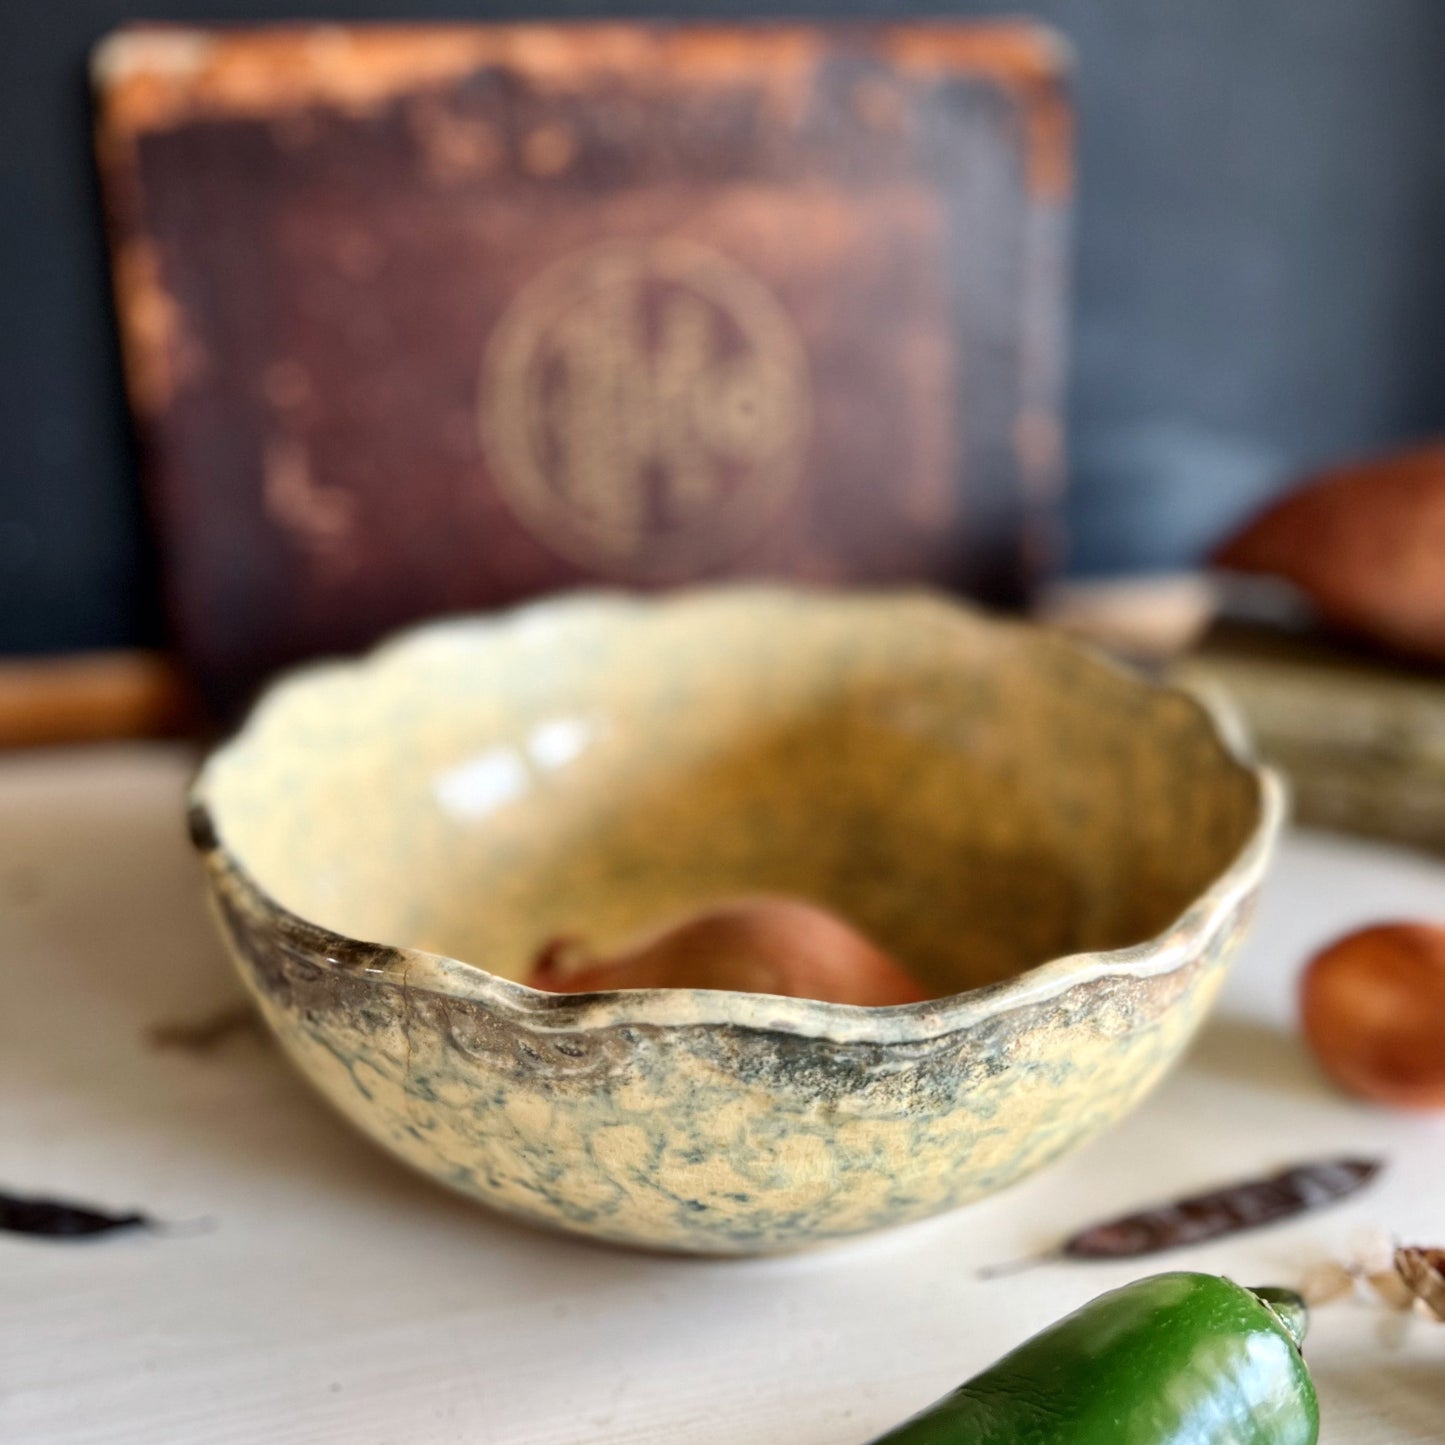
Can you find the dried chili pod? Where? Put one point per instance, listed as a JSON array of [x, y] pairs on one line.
[[1230, 1210], [1221, 1212], [61, 1219]]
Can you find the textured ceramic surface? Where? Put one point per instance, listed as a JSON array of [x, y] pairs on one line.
[[1067, 854]]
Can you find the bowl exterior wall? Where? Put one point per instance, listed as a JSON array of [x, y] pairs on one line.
[[711, 1139]]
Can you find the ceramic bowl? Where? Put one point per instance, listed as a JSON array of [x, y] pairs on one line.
[[1066, 853]]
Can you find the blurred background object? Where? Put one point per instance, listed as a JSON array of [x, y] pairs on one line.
[[1322, 628], [89, 696], [1365, 545], [1361, 738], [1259, 289], [1257, 295], [430, 319], [1147, 617]]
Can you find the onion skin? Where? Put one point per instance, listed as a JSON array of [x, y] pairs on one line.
[[780, 946], [1373, 1009]]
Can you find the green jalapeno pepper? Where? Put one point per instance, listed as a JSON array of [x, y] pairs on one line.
[[1176, 1359]]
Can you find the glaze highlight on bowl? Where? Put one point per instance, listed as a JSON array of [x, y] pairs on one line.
[[1067, 853]]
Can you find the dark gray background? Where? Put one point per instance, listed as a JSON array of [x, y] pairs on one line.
[[1259, 276]]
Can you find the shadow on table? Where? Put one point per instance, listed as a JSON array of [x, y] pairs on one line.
[[1257, 1056]]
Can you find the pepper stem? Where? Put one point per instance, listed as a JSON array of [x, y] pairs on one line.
[[1287, 1307]]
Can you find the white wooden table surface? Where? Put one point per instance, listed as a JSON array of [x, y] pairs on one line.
[[338, 1299]]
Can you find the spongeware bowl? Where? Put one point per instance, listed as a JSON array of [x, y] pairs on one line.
[[1066, 854]]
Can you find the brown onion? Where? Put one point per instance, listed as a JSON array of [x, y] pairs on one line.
[[752, 945], [1373, 1008]]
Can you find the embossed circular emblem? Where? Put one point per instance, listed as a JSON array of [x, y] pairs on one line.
[[645, 406]]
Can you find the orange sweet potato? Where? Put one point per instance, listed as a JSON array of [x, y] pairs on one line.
[[1366, 543]]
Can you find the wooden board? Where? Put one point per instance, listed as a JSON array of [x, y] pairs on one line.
[[90, 697], [1360, 736]]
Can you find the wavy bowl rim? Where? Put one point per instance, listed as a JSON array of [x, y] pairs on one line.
[[419, 971]]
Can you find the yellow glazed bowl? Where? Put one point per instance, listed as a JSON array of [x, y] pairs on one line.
[[1068, 854]]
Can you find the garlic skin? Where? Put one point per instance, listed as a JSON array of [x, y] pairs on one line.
[[771, 945]]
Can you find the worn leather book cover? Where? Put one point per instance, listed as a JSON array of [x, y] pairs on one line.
[[428, 319]]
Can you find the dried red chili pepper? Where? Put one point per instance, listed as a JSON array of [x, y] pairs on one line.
[[1221, 1212]]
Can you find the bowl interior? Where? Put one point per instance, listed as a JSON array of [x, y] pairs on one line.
[[981, 798]]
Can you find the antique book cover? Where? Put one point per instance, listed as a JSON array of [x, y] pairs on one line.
[[427, 319]]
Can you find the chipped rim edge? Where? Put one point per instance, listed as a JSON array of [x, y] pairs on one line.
[[419, 971]]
